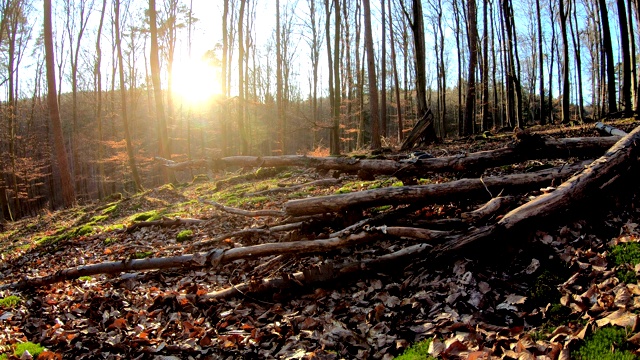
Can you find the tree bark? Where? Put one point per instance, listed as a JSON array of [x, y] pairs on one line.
[[374, 109], [608, 51], [472, 36], [164, 146], [625, 93], [535, 148], [68, 193], [396, 82], [425, 194], [123, 99], [564, 12], [424, 115]]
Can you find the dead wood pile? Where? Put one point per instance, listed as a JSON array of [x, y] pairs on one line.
[[353, 226]]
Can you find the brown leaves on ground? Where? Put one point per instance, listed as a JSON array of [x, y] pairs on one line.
[[534, 297]]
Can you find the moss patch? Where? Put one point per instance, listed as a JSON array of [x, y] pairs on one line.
[[608, 343], [142, 255], [626, 255], [417, 351], [146, 216], [184, 235], [33, 349], [10, 301]]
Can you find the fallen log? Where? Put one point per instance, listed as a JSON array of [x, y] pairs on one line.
[[546, 148], [608, 129], [248, 213], [459, 189], [489, 209], [595, 177], [246, 232], [165, 222], [217, 257], [321, 182]]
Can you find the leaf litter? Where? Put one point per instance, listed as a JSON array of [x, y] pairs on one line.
[[535, 298]]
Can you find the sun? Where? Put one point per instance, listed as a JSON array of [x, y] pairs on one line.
[[195, 81]]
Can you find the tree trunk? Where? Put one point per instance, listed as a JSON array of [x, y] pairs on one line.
[[373, 83], [564, 12], [626, 60], [337, 102], [428, 194], [396, 83], [543, 119], [607, 48], [164, 146], [68, 193], [123, 98], [383, 74], [472, 36], [244, 144], [424, 114]]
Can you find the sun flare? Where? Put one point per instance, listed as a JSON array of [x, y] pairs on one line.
[[195, 81]]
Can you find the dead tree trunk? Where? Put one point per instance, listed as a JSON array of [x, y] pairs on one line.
[[530, 148], [398, 195]]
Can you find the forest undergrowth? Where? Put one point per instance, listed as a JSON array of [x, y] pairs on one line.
[[539, 292]]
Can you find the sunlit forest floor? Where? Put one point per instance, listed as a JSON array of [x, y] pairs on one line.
[[541, 293]]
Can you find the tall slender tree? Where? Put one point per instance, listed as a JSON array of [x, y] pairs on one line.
[[123, 99], [625, 48], [68, 193], [541, 66], [472, 38], [383, 74], [371, 70], [164, 145], [244, 144], [565, 7], [396, 82], [607, 48]]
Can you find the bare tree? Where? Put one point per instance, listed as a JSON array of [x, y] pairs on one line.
[[68, 193], [472, 36], [164, 145], [373, 84], [607, 48], [564, 11], [395, 72], [123, 98]]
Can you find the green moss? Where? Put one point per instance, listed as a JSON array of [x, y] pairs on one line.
[[10, 301], [4, 357], [398, 183], [114, 227], [83, 230], [417, 351], [625, 255], [184, 235], [544, 290], [297, 194], [627, 276], [99, 218], [382, 208], [110, 240], [110, 209], [146, 216], [142, 254], [608, 343], [34, 349], [85, 278]]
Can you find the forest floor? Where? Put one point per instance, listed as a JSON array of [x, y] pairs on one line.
[[539, 293]]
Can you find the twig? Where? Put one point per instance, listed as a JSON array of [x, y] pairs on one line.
[[236, 211]]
